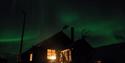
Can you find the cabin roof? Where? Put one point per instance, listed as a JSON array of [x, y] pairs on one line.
[[83, 43], [58, 41]]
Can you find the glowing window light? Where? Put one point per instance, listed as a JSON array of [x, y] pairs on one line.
[[31, 57], [51, 54], [70, 58], [67, 54], [52, 57]]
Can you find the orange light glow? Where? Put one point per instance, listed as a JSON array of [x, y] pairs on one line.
[[31, 57], [67, 55], [51, 54]]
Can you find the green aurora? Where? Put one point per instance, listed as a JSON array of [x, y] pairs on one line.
[[101, 30], [102, 26]]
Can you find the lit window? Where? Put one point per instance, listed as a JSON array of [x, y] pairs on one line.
[[66, 55], [70, 56], [31, 57], [51, 54]]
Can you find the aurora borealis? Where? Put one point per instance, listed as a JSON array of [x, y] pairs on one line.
[[103, 21], [101, 31]]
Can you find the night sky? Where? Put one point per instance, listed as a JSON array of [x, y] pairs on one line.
[[102, 21]]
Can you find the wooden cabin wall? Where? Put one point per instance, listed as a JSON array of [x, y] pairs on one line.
[[25, 57], [37, 55], [80, 55], [43, 55], [82, 52]]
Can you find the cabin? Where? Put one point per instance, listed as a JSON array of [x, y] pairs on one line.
[[82, 51], [55, 49], [59, 49]]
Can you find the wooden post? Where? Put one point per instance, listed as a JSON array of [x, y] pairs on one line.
[[22, 38]]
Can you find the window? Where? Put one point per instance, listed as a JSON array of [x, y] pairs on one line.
[[31, 57], [65, 56], [51, 54]]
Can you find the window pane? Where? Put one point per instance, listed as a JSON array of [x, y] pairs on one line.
[[31, 57]]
